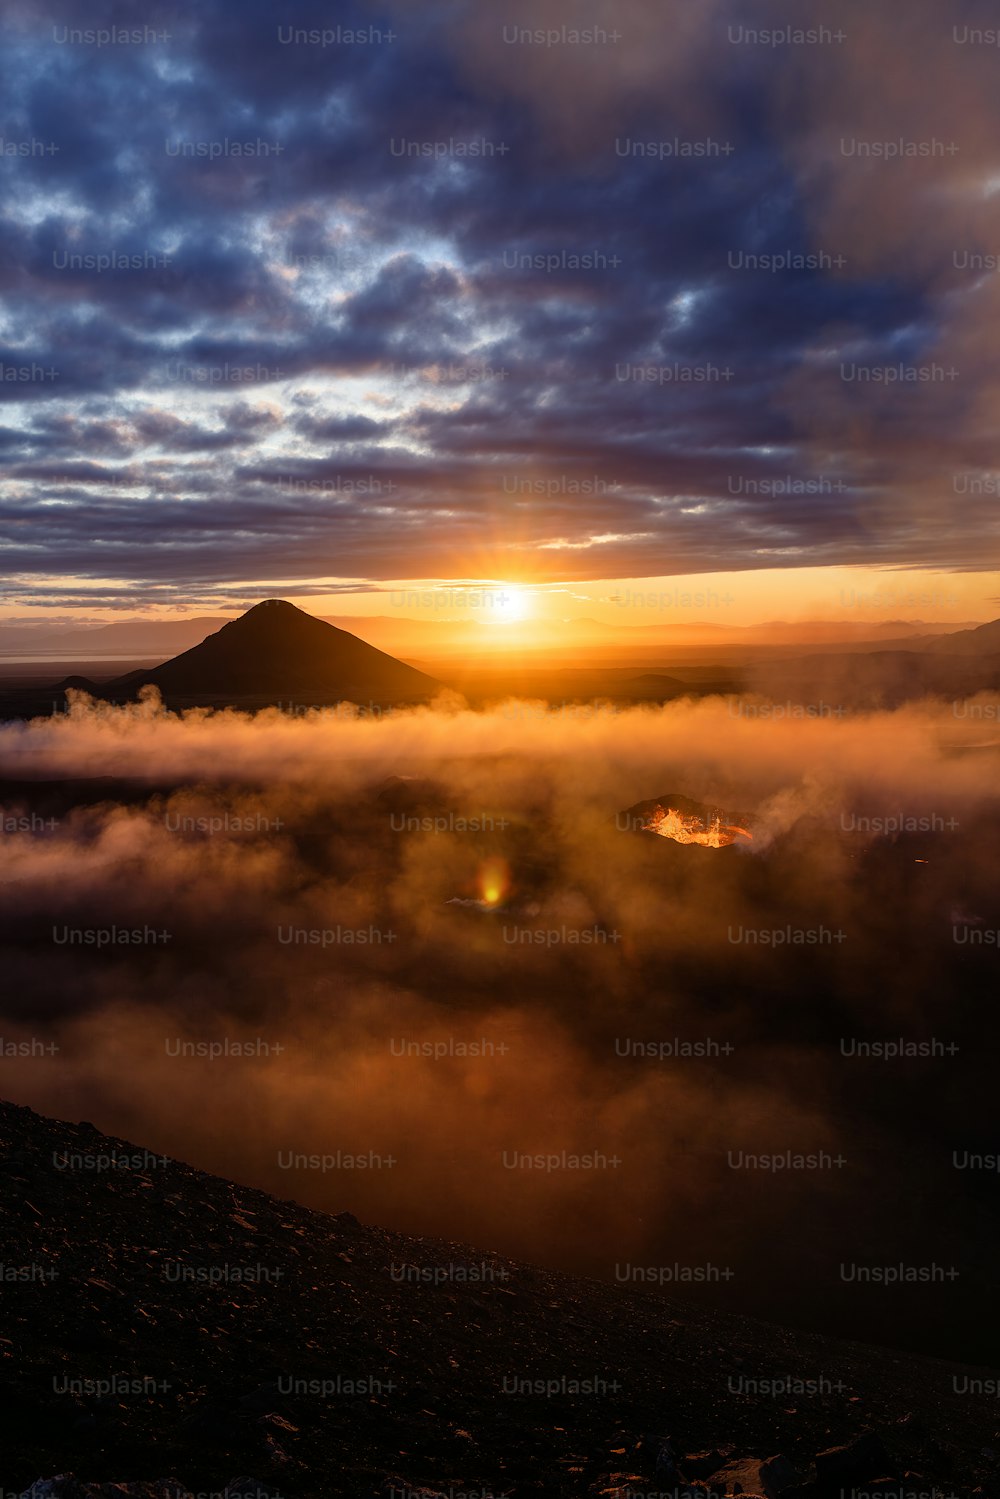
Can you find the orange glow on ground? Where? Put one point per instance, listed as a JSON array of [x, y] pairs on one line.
[[494, 882]]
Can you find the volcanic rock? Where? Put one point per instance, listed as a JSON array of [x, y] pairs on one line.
[[67, 1487], [331, 1375], [751, 1476], [864, 1458]]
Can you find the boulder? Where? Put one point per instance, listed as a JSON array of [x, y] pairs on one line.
[[863, 1458], [751, 1475], [702, 1464]]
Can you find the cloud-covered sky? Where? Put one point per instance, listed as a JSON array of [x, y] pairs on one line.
[[301, 297]]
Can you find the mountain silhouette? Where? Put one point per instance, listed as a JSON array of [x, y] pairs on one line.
[[277, 651], [983, 640]]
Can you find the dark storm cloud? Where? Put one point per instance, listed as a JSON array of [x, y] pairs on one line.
[[236, 276]]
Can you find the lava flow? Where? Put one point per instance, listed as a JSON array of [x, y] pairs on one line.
[[708, 832]]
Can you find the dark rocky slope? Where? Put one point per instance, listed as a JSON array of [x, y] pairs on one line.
[[164, 1325]]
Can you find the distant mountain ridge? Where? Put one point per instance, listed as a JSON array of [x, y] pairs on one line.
[[399, 633], [982, 640], [140, 634]]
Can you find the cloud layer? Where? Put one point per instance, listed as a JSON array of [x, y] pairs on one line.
[[267, 320], [315, 902]]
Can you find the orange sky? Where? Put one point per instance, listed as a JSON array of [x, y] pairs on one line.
[[736, 599], [510, 609]]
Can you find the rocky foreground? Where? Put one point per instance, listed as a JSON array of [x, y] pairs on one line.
[[165, 1330]]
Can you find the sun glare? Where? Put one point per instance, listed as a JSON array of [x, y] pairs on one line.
[[512, 605]]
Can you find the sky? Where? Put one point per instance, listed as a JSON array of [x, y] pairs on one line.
[[325, 302]]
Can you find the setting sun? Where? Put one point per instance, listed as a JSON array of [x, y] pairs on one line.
[[512, 605]]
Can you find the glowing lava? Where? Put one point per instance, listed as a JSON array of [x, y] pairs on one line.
[[494, 882], [708, 832]]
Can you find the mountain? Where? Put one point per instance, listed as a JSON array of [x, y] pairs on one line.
[[133, 637], [276, 652], [982, 641], [830, 685], [161, 1321]]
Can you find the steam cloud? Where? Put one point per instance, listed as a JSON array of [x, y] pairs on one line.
[[314, 838]]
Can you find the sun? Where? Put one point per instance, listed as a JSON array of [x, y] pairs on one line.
[[511, 604]]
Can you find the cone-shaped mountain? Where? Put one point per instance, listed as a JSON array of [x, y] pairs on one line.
[[277, 650]]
